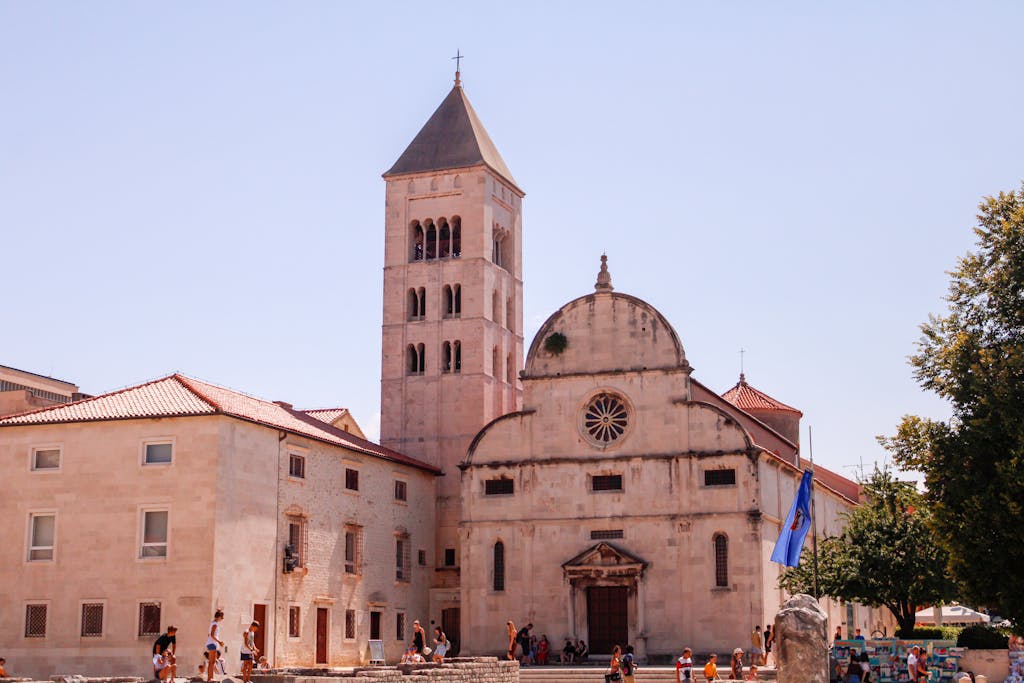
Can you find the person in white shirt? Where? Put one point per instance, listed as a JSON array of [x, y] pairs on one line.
[[684, 667], [912, 663], [213, 643]]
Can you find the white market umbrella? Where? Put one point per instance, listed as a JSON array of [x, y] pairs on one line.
[[952, 614]]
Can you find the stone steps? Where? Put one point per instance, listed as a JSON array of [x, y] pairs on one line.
[[593, 674]]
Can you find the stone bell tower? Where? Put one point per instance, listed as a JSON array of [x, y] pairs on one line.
[[453, 307]]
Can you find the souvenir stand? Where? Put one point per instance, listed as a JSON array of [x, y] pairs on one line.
[[841, 651], [1016, 667], [943, 659]]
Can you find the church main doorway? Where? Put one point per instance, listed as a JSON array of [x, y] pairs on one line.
[[607, 621]]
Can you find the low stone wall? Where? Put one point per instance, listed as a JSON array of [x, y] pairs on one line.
[[995, 664], [456, 670]]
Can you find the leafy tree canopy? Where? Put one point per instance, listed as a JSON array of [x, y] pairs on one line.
[[885, 557], [973, 356]]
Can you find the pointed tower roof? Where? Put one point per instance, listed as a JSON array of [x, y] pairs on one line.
[[453, 137], [746, 397]]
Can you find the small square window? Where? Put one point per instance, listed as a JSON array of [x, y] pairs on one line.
[[351, 479], [294, 622], [154, 533], [401, 490], [35, 621], [606, 482], [42, 536], [400, 626], [44, 459], [499, 487], [149, 619], [158, 454], [92, 620], [296, 466], [350, 623], [449, 557]]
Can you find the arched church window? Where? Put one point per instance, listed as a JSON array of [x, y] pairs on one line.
[[446, 351], [431, 241], [422, 353], [457, 182], [457, 349], [509, 313], [457, 290], [412, 360], [445, 240], [721, 560], [456, 235], [495, 363], [499, 566], [510, 370], [416, 238], [422, 298], [448, 301], [605, 419]]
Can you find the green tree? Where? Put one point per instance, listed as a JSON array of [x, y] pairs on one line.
[[885, 557], [973, 356]]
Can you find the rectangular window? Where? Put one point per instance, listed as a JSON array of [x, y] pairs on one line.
[[158, 454], [35, 621], [350, 623], [449, 557], [606, 482], [403, 561], [605, 534], [297, 540], [400, 490], [92, 619], [42, 536], [149, 619], [45, 459], [353, 548], [400, 626], [422, 556], [154, 533], [499, 487], [296, 466], [719, 477], [294, 622], [351, 479], [374, 625]]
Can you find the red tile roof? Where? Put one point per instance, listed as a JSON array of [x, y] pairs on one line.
[[746, 397], [327, 415], [180, 396]]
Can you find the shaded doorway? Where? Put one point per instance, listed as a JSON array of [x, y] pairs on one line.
[[259, 613], [321, 635], [450, 625], [607, 620]]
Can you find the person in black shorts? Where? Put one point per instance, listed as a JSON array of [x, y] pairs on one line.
[[165, 644]]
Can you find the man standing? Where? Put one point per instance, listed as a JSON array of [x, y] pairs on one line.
[[756, 649], [524, 642], [769, 641], [249, 650], [912, 664], [857, 635]]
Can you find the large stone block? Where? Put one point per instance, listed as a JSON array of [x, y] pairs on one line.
[[801, 637]]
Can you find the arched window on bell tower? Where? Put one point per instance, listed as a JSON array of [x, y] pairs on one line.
[[431, 248], [412, 362], [415, 241], [446, 357], [457, 293], [499, 567], [456, 237], [510, 372], [509, 313], [457, 351], [448, 301], [444, 240]]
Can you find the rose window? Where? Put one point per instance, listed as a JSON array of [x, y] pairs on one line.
[[605, 418]]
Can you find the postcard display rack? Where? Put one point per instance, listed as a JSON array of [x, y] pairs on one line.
[[887, 658], [1016, 667]]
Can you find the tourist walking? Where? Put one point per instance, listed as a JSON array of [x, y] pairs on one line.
[[440, 645], [213, 643], [523, 636], [736, 664], [615, 666], [419, 637], [684, 666], [511, 640], [249, 650], [629, 666], [912, 664], [711, 668], [756, 646], [769, 641]]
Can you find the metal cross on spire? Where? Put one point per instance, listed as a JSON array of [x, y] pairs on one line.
[[742, 351], [458, 66]]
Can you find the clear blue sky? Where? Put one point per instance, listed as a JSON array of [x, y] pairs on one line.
[[196, 186]]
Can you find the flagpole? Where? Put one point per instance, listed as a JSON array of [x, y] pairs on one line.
[[814, 515]]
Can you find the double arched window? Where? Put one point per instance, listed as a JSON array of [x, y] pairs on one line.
[[451, 353], [499, 566], [429, 241], [452, 304], [415, 359], [417, 304], [721, 543]]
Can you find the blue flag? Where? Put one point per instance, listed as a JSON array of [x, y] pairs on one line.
[[798, 522]]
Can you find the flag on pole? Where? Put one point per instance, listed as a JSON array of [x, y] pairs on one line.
[[798, 522]]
